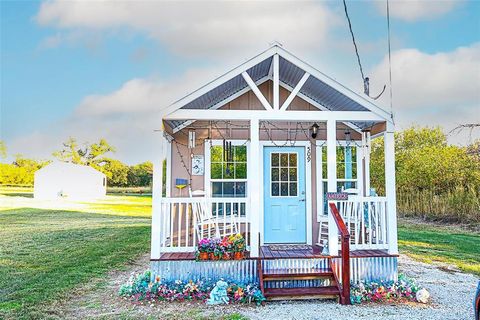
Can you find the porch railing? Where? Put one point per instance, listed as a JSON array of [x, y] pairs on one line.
[[366, 220], [182, 226]]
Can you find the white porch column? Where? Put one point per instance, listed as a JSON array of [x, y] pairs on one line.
[[332, 183], [254, 181], [157, 191], [390, 192], [366, 144]]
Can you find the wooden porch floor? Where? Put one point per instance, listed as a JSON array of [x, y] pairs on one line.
[[267, 254]]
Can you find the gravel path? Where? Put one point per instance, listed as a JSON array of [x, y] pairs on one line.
[[452, 295]]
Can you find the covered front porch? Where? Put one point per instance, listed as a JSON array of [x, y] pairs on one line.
[[259, 150]]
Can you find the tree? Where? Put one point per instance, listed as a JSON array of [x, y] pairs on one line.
[[21, 171], [424, 161], [116, 172], [90, 155], [140, 175]]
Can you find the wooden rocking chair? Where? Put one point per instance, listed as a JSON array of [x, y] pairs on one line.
[[208, 225]]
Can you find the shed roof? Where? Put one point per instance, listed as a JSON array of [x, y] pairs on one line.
[[321, 89], [68, 167]]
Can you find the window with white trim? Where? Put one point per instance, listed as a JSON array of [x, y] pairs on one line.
[[228, 179]]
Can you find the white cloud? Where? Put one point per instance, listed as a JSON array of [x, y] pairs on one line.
[[434, 89], [413, 10], [201, 28]]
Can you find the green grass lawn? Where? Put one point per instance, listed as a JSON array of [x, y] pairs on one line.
[[45, 253], [432, 243], [50, 250]]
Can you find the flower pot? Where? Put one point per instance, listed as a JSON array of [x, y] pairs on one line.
[[212, 256], [239, 255], [203, 256], [226, 256]]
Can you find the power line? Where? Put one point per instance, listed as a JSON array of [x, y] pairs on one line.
[[353, 39]]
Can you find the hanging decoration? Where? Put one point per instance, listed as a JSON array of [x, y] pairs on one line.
[[191, 139]]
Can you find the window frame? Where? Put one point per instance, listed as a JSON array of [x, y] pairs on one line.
[[279, 174], [208, 165]]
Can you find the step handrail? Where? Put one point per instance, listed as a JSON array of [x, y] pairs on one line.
[[345, 256]]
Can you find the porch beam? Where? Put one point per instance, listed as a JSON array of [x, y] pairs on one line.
[[276, 82], [254, 186], [257, 91], [332, 183], [186, 114], [295, 91], [157, 192], [390, 191]]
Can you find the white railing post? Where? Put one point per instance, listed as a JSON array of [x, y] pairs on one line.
[[332, 183], [390, 192], [253, 168], [157, 191]]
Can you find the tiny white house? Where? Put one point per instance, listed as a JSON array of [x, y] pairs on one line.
[[68, 180], [280, 153]]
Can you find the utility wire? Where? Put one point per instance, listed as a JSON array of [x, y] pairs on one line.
[[353, 39]]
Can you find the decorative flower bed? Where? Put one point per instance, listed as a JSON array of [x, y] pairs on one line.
[[403, 290], [230, 247], [140, 288]]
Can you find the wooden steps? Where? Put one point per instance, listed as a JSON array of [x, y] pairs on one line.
[[292, 274], [295, 284], [302, 293]]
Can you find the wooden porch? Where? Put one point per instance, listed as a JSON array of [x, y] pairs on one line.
[[313, 252]]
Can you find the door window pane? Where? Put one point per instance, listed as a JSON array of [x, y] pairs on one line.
[[275, 189], [284, 189], [275, 162], [293, 189]]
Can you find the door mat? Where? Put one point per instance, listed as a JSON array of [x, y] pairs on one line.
[[288, 247]]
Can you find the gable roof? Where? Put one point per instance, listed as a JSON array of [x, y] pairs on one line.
[[321, 90]]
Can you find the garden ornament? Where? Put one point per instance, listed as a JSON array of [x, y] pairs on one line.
[[219, 293], [422, 296]]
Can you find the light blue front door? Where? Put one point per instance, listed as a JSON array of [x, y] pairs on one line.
[[284, 195]]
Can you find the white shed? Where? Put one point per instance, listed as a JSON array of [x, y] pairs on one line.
[[68, 180]]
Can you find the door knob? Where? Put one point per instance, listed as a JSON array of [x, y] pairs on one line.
[[303, 200]]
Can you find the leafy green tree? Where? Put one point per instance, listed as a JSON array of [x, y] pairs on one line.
[[424, 161], [90, 155], [140, 175], [116, 172]]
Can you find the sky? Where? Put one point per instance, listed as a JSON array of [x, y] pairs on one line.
[[105, 69]]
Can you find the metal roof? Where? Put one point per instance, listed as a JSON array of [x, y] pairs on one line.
[[289, 75]]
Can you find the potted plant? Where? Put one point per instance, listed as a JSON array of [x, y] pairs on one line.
[[217, 253], [203, 249], [227, 247], [238, 246]]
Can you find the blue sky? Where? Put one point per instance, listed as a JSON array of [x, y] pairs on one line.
[[91, 69]]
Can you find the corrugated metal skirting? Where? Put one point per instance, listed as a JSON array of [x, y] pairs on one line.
[[241, 271], [245, 271], [370, 268]]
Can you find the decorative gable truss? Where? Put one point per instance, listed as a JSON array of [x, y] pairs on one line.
[[286, 71]]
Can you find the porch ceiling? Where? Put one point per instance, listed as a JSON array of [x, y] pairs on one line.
[[316, 89]]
